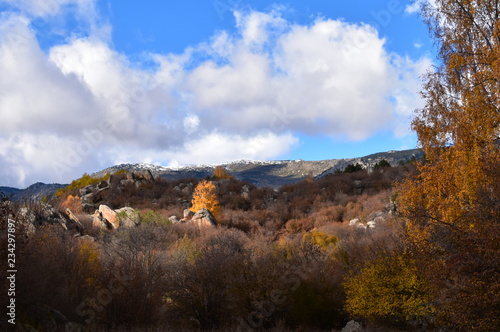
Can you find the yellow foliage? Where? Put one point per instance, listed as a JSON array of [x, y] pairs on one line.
[[451, 204], [220, 173], [82, 182], [322, 240], [89, 264], [205, 197], [388, 289]]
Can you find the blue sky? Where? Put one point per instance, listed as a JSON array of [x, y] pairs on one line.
[[87, 84]]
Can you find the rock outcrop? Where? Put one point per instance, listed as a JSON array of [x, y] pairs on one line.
[[110, 215], [127, 217], [204, 218], [108, 218]]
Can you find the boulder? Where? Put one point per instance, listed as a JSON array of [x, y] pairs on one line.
[[73, 218], [174, 219], [85, 191], [148, 176], [188, 214], [127, 217], [109, 215], [353, 326], [98, 221], [353, 222], [204, 218], [103, 184]]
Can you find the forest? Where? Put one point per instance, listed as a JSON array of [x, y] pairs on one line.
[[410, 247]]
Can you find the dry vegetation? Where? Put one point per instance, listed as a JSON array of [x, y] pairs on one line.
[[277, 260], [290, 259]]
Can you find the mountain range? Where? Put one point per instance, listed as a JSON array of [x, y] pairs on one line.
[[261, 173]]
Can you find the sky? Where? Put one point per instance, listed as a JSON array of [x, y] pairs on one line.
[[87, 84]]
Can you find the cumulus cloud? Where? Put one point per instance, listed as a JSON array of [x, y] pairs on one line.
[[81, 106]]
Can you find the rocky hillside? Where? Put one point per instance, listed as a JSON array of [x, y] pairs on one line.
[[35, 192], [261, 173], [269, 173]]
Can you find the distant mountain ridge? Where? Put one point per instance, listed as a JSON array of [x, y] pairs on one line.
[[35, 192], [269, 173], [261, 173]]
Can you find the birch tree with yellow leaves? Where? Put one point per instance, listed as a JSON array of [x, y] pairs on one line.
[[453, 204]]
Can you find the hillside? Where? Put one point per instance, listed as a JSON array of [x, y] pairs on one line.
[[35, 192], [268, 173]]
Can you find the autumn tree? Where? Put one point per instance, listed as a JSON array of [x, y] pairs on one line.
[[220, 173], [205, 197], [452, 204]]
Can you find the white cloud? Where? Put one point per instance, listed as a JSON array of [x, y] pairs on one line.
[[215, 147], [82, 106], [406, 92], [50, 8], [416, 5], [191, 123]]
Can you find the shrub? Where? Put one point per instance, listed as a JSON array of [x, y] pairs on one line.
[[82, 182], [388, 289], [73, 203], [152, 217]]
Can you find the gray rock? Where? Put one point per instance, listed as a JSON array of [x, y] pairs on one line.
[[353, 326], [148, 176], [188, 214], [174, 219], [127, 217], [88, 198], [204, 218], [73, 218], [85, 191], [27, 215]]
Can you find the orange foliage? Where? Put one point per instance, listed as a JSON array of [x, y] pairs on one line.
[[220, 173], [205, 197], [73, 203], [450, 204]]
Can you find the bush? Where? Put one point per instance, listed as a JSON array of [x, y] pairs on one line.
[[82, 182], [388, 289]]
